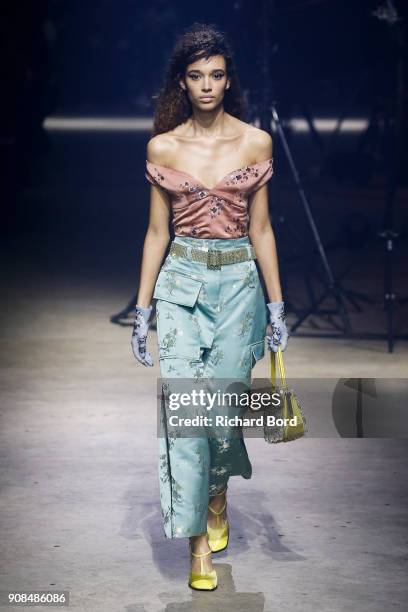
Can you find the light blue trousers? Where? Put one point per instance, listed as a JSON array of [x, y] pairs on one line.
[[211, 324]]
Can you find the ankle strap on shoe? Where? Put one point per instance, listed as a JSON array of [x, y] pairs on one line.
[[218, 512], [220, 493], [200, 556]]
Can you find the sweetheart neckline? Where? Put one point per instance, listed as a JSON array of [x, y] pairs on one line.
[[219, 182]]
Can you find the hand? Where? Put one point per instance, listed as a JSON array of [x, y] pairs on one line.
[[139, 335], [280, 335]]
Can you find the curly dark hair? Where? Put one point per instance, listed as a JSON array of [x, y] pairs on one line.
[[199, 41]]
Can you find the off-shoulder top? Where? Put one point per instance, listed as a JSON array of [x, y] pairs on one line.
[[219, 212]]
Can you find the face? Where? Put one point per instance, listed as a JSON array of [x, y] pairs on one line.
[[206, 81]]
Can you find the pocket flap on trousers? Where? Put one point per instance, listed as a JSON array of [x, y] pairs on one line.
[[258, 349], [177, 287]]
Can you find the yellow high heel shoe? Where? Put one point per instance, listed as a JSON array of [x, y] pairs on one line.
[[204, 581], [218, 536]]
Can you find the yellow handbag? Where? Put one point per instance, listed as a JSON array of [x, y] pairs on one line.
[[286, 421]]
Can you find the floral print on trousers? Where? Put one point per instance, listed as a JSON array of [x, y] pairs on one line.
[[211, 324]]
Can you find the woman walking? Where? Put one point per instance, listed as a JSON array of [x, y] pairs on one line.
[[209, 171]]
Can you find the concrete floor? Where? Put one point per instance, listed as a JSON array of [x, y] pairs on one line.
[[321, 526]]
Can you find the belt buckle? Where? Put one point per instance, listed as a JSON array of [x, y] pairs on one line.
[[214, 259]]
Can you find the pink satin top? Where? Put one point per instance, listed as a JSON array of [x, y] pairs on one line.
[[219, 212]]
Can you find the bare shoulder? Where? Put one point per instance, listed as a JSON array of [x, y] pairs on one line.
[[160, 148], [259, 143]]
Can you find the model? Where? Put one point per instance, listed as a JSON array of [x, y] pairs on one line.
[[208, 171]]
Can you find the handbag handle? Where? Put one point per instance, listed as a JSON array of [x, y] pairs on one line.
[[276, 358]]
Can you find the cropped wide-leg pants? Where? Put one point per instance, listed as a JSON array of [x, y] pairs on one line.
[[211, 324]]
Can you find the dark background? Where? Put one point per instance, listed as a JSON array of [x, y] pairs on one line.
[[75, 204]]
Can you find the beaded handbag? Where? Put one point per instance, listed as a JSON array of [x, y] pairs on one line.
[[286, 421]]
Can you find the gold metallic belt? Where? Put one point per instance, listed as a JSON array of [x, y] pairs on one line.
[[214, 258]]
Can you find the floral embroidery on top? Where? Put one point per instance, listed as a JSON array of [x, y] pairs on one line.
[[239, 197], [217, 212], [242, 175], [238, 230], [193, 188], [216, 206], [157, 176]]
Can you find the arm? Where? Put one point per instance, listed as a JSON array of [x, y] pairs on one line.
[[155, 244], [262, 237], [260, 229], [157, 235]]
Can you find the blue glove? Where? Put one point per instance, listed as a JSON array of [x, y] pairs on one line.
[[139, 335], [280, 335]]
